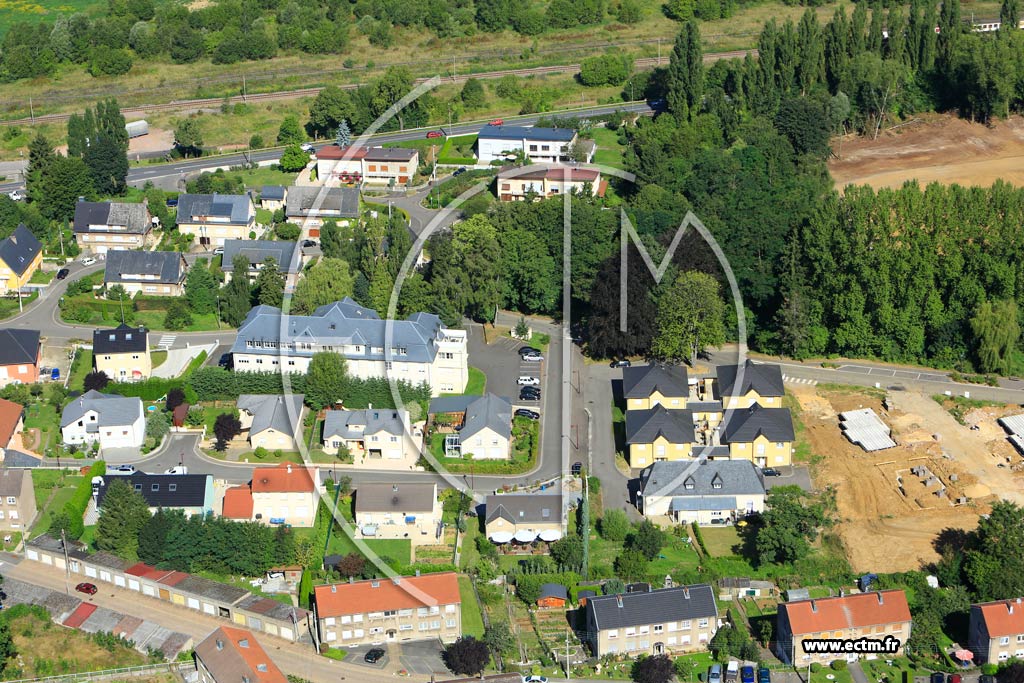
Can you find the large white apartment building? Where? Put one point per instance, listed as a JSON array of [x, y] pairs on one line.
[[417, 349]]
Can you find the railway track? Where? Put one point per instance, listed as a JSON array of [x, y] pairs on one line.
[[216, 102]]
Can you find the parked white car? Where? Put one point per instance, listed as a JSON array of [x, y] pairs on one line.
[[16, 195], [88, 260], [527, 381], [307, 147]]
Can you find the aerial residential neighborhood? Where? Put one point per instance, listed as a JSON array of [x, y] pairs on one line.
[[460, 340]]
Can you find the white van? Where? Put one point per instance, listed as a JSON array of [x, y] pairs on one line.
[[732, 670], [528, 381]]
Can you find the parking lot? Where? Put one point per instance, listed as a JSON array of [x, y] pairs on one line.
[[503, 366], [420, 657]]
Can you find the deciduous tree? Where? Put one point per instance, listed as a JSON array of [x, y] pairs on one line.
[[691, 317]]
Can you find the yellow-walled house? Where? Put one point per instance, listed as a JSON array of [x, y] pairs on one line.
[[762, 435], [658, 434], [740, 386], [122, 353], [646, 386], [20, 256], [272, 422]]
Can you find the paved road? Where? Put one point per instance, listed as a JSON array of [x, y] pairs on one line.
[[162, 174]]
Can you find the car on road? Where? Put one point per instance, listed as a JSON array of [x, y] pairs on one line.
[[620, 363], [764, 675], [459, 171], [532, 357], [656, 104], [16, 195], [747, 674], [954, 678], [431, 134], [87, 588], [373, 656], [528, 414], [986, 678], [307, 147], [715, 673], [120, 469], [771, 472], [937, 678], [577, 468], [535, 679], [88, 260], [496, 122], [528, 381], [63, 273]]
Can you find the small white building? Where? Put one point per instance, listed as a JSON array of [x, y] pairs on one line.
[[114, 421], [539, 145]]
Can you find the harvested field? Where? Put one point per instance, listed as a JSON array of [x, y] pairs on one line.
[[939, 148], [890, 516]]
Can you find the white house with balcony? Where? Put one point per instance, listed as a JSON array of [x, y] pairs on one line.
[[417, 349]]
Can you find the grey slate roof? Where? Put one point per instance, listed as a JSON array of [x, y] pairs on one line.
[[112, 410], [644, 426], [685, 478], [682, 603], [273, 193], [700, 503], [488, 411], [192, 208], [129, 266], [389, 154], [352, 424], [527, 133], [764, 378], [524, 508], [281, 413], [19, 347], [18, 250], [127, 219], [121, 339], [745, 425], [164, 490], [10, 481], [258, 251], [13, 458], [640, 381], [553, 590], [342, 202], [403, 498], [343, 323], [214, 590]]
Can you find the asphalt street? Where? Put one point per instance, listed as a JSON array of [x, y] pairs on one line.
[[162, 174]]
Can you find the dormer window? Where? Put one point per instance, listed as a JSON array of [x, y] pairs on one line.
[[716, 483], [689, 484]]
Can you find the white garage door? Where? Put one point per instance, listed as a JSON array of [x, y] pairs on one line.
[[286, 633], [33, 555], [494, 453], [394, 455], [104, 575], [119, 581], [133, 584], [193, 603], [47, 559], [148, 590], [90, 571], [209, 609]]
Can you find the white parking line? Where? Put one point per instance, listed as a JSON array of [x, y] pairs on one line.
[[799, 380]]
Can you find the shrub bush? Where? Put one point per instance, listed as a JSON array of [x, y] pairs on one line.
[[838, 665], [815, 667]]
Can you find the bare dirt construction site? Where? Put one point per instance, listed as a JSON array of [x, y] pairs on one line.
[[890, 511], [933, 148]]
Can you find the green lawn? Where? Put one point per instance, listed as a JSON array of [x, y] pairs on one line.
[[9, 306], [477, 382], [398, 549], [720, 541], [79, 369], [44, 417], [201, 322], [458, 150], [42, 277], [44, 480], [520, 461], [472, 619], [157, 358], [56, 505], [41, 10], [470, 556], [675, 556], [609, 149]]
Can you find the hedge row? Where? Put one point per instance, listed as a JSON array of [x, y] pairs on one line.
[[75, 507], [700, 539]]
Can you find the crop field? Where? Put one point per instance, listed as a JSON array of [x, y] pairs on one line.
[[14, 11]]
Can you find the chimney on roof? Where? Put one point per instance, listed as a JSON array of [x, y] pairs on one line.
[[814, 606], [289, 468], [220, 644], [397, 580], [618, 599], [417, 572], [394, 487], [881, 601], [334, 589], [686, 593], [351, 579]]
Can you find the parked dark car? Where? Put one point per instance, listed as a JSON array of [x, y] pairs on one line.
[[986, 678], [373, 656], [87, 588], [938, 678], [62, 273], [528, 414], [764, 675], [173, 201], [747, 674], [771, 472], [308, 243], [528, 350], [529, 395], [459, 171], [577, 468], [620, 364]]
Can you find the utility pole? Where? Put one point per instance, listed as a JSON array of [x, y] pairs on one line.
[[567, 664], [67, 565], [243, 83], [31, 109], [659, 51]]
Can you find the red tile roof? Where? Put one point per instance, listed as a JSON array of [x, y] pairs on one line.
[[156, 574], [237, 503], [173, 578], [335, 152], [850, 611], [81, 613], [140, 569], [1003, 618], [375, 595], [284, 478], [570, 173], [10, 413], [229, 652]]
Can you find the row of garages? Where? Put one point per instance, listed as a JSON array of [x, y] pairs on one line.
[[242, 608]]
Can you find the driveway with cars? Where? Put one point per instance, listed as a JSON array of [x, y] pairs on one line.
[[355, 653], [797, 475]]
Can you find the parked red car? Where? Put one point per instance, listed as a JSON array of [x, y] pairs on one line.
[[435, 134], [87, 588], [497, 122]]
